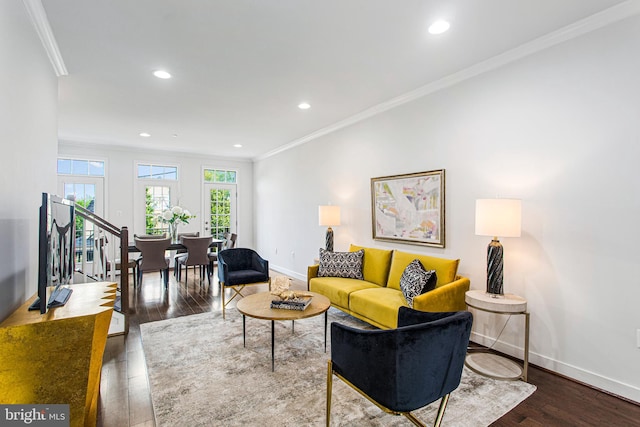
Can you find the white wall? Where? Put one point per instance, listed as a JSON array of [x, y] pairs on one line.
[[121, 177], [28, 137], [560, 130]]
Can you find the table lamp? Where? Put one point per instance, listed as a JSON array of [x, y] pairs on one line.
[[329, 216], [497, 217]]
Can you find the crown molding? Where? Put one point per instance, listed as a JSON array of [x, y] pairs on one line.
[[99, 144], [578, 28], [41, 23]]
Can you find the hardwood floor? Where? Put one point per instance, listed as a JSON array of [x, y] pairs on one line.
[[125, 399]]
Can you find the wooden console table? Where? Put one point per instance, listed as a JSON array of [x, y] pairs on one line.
[[56, 357]]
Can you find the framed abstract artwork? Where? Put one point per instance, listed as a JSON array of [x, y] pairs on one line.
[[409, 208]]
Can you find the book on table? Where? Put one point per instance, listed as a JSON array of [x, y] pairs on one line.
[[298, 303]]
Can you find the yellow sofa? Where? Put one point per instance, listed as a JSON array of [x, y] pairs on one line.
[[376, 299]]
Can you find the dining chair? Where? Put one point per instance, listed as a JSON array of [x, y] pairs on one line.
[[106, 265], [150, 236], [197, 255], [229, 243], [418, 363], [153, 257], [182, 251]]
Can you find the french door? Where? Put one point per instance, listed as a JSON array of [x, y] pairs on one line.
[[87, 192], [220, 207], [152, 197]]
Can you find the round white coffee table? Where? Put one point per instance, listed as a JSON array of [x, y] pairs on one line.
[[482, 360]]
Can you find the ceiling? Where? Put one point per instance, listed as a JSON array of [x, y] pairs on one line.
[[241, 67]]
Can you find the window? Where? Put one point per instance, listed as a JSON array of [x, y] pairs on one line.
[[80, 167], [157, 200], [218, 175], [147, 171]]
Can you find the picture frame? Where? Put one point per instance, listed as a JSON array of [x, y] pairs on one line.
[[409, 208]]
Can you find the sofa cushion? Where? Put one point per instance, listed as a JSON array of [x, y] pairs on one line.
[[341, 264], [338, 289], [378, 304], [416, 281], [375, 264], [446, 269]]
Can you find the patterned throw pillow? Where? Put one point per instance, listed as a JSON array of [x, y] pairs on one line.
[[341, 264], [416, 281]]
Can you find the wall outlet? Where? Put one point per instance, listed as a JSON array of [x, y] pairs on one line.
[[293, 254], [638, 337], [276, 251]]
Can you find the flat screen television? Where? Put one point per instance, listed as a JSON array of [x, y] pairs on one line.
[[56, 251]]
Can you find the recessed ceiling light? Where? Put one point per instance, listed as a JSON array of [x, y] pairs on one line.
[[237, 145], [145, 134], [161, 74], [304, 106], [439, 27]]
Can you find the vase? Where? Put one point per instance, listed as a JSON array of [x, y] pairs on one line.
[[173, 232]]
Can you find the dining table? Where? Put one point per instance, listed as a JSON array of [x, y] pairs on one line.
[[176, 245]]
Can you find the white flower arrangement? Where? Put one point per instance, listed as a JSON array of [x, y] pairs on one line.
[[176, 215]]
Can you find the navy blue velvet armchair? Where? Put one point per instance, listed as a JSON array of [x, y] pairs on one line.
[[239, 267], [403, 369]]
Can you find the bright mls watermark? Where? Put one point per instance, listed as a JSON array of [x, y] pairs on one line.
[[34, 415]]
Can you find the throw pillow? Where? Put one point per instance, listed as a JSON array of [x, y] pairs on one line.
[[416, 281], [341, 264]]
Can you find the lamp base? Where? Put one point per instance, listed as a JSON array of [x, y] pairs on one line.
[[329, 240], [494, 268]]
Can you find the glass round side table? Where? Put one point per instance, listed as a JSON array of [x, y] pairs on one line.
[[482, 360]]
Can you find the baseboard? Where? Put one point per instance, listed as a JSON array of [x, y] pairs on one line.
[[590, 379], [288, 272]]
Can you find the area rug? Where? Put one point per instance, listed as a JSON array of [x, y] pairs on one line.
[[201, 375]]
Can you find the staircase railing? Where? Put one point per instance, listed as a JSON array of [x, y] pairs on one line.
[[103, 245]]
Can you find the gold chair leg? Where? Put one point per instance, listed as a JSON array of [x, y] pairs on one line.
[[413, 419], [329, 386], [443, 406], [237, 292], [222, 298]]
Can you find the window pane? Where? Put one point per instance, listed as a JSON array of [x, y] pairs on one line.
[[84, 195], [64, 166], [156, 172], [144, 171], [80, 167], [215, 175], [157, 200], [171, 173], [68, 190], [220, 216], [96, 168]]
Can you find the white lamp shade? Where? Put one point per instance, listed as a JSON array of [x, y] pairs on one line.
[[329, 216], [498, 217]]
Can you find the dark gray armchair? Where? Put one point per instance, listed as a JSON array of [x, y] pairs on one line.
[[403, 369], [239, 267]]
